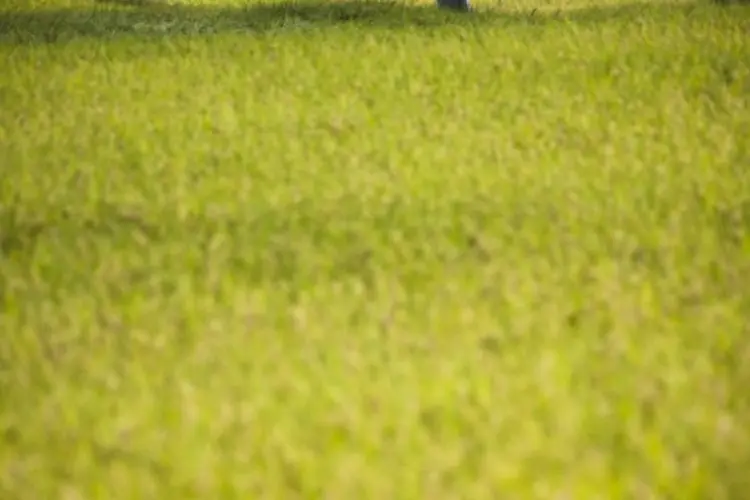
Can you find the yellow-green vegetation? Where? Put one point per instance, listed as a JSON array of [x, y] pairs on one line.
[[376, 251]]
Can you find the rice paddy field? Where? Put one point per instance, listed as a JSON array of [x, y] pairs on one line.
[[374, 250]]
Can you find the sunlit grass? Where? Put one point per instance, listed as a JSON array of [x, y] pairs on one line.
[[372, 250]]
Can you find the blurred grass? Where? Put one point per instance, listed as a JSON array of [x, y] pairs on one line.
[[373, 249]]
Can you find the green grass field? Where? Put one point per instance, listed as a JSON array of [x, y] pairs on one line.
[[360, 250]]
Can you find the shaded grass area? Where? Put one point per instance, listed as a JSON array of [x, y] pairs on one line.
[[169, 20], [152, 19]]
